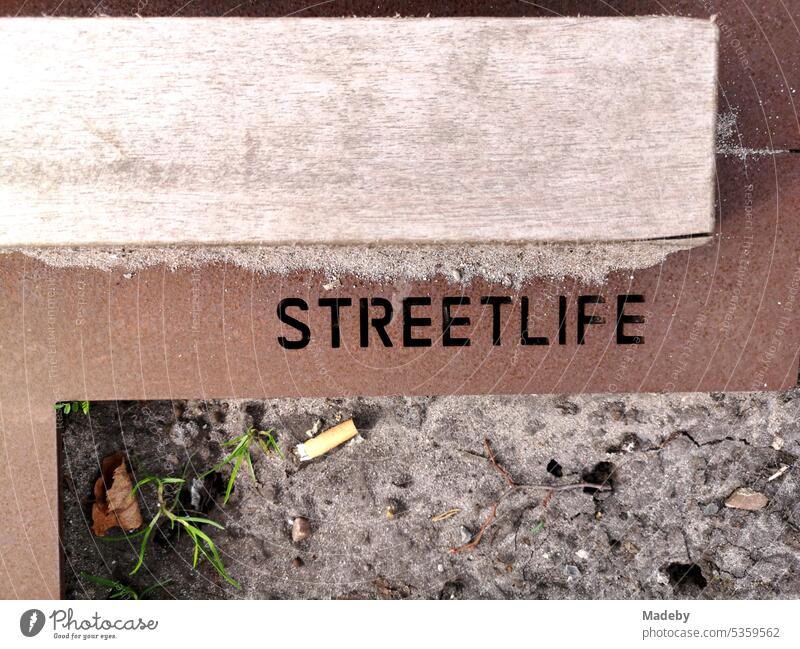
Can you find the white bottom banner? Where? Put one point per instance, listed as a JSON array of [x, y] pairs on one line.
[[401, 624]]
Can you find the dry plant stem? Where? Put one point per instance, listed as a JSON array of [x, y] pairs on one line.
[[477, 538], [500, 469], [513, 487], [445, 515]]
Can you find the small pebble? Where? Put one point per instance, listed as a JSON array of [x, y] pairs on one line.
[[572, 572], [466, 534], [440, 568], [745, 498], [301, 529], [777, 443], [710, 509], [196, 493], [311, 432], [393, 508], [297, 562], [582, 554], [630, 548]]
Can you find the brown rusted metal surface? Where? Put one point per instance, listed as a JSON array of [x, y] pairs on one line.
[[721, 317]]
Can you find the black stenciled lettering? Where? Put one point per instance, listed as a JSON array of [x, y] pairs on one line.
[[525, 339], [410, 321], [379, 324], [624, 318], [335, 304], [584, 319], [302, 327], [496, 302], [449, 321]]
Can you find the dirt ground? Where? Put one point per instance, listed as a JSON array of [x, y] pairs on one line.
[[661, 531]]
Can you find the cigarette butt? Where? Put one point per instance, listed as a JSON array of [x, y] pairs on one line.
[[324, 442]]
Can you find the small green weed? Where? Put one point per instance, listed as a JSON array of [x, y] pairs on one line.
[[120, 590], [67, 407], [538, 527], [241, 452], [203, 545]]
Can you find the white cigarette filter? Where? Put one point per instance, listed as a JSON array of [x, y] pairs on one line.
[[326, 441]]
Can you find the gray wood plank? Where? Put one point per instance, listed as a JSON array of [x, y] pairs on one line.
[[160, 131]]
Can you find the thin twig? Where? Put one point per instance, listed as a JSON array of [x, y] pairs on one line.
[[512, 487], [564, 487], [500, 469], [477, 538], [445, 515]]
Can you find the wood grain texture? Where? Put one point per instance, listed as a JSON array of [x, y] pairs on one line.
[[155, 131]]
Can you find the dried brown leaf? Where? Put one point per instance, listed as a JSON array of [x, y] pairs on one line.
[[115, 505]]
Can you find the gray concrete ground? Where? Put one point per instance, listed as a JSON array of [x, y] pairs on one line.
[[661, 531]]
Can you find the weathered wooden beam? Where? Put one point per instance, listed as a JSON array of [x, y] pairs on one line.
[[162, 131]]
